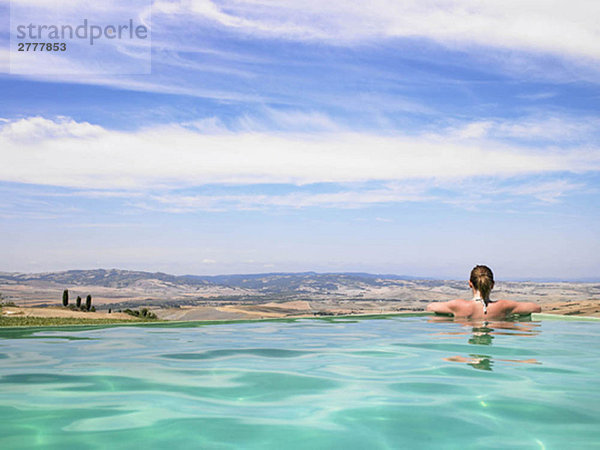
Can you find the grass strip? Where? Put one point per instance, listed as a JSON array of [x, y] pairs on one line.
[[23, 321]]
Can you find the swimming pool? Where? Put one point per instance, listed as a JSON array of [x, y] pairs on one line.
[[389, 382]]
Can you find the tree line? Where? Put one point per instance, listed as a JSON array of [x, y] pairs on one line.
[[86, 307]]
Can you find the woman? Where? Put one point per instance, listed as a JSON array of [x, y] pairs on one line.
[[481, 307]]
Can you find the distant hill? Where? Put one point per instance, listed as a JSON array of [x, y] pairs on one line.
[[266, 282], [113, 278], [129, 288]]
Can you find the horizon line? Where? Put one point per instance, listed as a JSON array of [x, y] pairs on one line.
[[355, 273]]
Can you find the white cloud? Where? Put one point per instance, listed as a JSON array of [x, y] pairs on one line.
[[555, 26], [352, 198], [538, 95], [470, 194], [550, 128], [291, 120], [72, 154], [34, 129], [491, 30], [548, 192], [540, 128], [157, 83], [474, 130], [269, 120]]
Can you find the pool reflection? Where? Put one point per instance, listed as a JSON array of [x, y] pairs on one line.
[[484, 333]]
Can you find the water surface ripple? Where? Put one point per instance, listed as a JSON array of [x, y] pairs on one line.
[[396, 382]]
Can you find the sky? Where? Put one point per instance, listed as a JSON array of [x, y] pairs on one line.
[[407, 137]]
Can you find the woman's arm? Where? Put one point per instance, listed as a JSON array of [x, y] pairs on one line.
[[441, 307], [526, 308]]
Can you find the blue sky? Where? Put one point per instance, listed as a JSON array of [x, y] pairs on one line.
[[415, 138]]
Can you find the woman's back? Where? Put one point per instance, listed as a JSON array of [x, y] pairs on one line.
[[481, 307], [473, 309]]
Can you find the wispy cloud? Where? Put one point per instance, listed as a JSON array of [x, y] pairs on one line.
[[470, 194], [475, 194], [175, 202], [522, 38], [72, 154], [525, 24], [538, 95], [539, 128], [36, 129], [548, 191]]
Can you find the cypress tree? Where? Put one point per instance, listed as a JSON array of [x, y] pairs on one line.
[[88, 302], [65, 297], [78, 301]]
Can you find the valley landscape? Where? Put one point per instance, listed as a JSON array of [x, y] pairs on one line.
[[273, 295]]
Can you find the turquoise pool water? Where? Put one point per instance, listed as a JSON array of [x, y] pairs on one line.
[[394, 382]]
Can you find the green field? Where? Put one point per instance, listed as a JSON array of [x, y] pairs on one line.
[[23, 321]]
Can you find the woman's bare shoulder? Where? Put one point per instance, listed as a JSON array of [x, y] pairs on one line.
[[458, 303], [459, 300], [518, 307], [448, 307], [504, 301]]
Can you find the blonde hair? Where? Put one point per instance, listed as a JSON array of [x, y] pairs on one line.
[[482, 279]]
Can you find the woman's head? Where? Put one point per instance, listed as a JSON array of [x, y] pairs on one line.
[[482, 279]]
